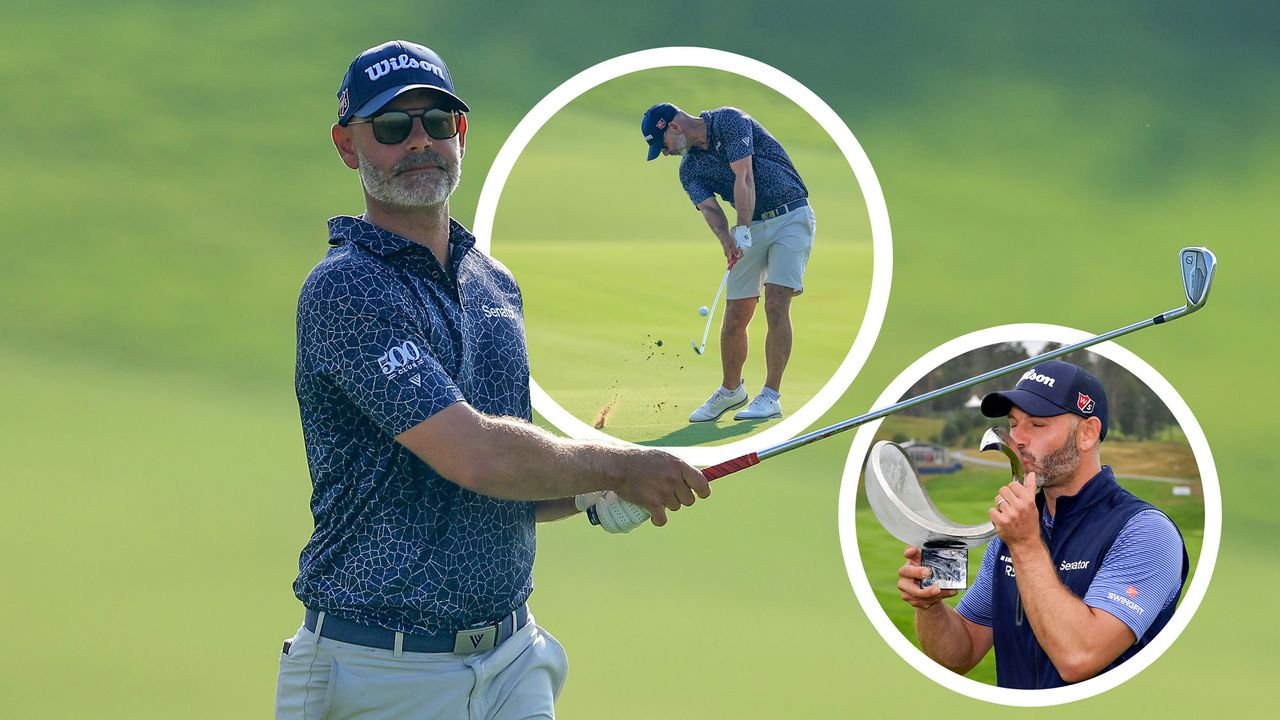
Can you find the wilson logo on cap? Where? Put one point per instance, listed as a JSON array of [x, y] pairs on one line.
[[1084, 402], [400, 62], [1036, 377]]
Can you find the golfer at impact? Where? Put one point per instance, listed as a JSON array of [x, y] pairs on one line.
[[427, 477], [727, 152], [1082, 576]]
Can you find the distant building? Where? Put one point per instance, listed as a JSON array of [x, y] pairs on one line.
[[930, 458]]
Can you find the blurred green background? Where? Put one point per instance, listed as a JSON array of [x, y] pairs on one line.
[[167, 174]]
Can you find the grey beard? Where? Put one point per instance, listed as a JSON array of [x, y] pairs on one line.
[[412, 191], [1059, 466]]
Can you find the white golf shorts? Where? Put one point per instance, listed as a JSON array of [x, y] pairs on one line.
[[323, 679], [778, 254]]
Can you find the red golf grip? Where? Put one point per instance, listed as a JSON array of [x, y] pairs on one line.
[[730, 466]]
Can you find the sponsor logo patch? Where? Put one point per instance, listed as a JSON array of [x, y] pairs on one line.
[[1131, 591], [662, 124], [401, 62], [1084, 402], [506, 312], [1125, 602], [343, 103], [1033, 376], [400, 359]]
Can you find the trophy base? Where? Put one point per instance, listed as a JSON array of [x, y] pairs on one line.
[[949, 561]]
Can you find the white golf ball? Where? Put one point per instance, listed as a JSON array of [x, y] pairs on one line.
[[703, 311]]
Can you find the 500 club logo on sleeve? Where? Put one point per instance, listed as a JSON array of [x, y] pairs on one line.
[[400, 359]]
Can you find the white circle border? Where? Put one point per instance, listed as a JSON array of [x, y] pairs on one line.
[[881, 236], [1101, 683]]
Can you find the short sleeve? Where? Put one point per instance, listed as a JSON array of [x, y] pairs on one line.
[[735, 132], [1141, 573], [976, 605], [353, 331]]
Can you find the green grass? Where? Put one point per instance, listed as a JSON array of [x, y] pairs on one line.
[[613, 259]]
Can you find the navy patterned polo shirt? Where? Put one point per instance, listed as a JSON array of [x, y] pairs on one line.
[[731, 136], [386, 339]]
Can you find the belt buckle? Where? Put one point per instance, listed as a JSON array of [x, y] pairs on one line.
[[769, 215], [475, 640]]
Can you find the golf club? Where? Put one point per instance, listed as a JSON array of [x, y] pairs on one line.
[[711, 310], [1197, 265]]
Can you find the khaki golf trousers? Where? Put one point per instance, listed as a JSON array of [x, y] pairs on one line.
[[323, 679]]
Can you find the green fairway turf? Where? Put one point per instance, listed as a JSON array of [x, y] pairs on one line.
[[613, 259], [166, 178]]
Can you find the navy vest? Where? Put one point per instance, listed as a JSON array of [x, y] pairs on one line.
[[1084, 528]]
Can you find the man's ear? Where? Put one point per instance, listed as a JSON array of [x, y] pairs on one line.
[[1088, 434], [345, 142]]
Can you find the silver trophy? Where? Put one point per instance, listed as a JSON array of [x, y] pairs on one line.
[[902, 506]]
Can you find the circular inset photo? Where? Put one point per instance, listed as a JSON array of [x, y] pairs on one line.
[[1040, 537], [703, 251]]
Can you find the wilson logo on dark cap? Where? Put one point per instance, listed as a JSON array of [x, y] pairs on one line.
[[1052, 388]]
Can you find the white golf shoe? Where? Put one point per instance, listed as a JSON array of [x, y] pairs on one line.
[[720, 402], [762, 408]]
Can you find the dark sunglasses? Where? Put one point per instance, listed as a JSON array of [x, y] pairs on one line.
[[393, 126]]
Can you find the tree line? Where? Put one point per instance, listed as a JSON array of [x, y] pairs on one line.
[[1135, 411]]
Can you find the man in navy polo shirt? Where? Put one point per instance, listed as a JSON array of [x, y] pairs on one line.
[[413, 386], [727, 152], [1083, 574]]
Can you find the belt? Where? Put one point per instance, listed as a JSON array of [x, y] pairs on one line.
[[783, 209], [463, 642]]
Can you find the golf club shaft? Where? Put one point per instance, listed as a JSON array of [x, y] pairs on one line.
[[711, 312], [745, 461]]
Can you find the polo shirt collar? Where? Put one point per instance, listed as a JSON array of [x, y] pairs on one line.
[[345, 228]]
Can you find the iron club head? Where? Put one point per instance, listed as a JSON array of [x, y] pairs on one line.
[[1198, 265], [696, 349]]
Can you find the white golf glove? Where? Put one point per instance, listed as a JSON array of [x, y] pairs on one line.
[[742, 236], [586, 500], [611, 512]]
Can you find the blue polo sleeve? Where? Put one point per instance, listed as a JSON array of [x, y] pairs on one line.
[[734, 130], [976, 605], [354, 329], [1141, 573]]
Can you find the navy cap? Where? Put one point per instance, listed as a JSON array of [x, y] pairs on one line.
[[1052, 388], [378, 75], [654, 126]]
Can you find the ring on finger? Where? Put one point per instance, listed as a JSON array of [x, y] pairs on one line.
[[1000, 500]]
